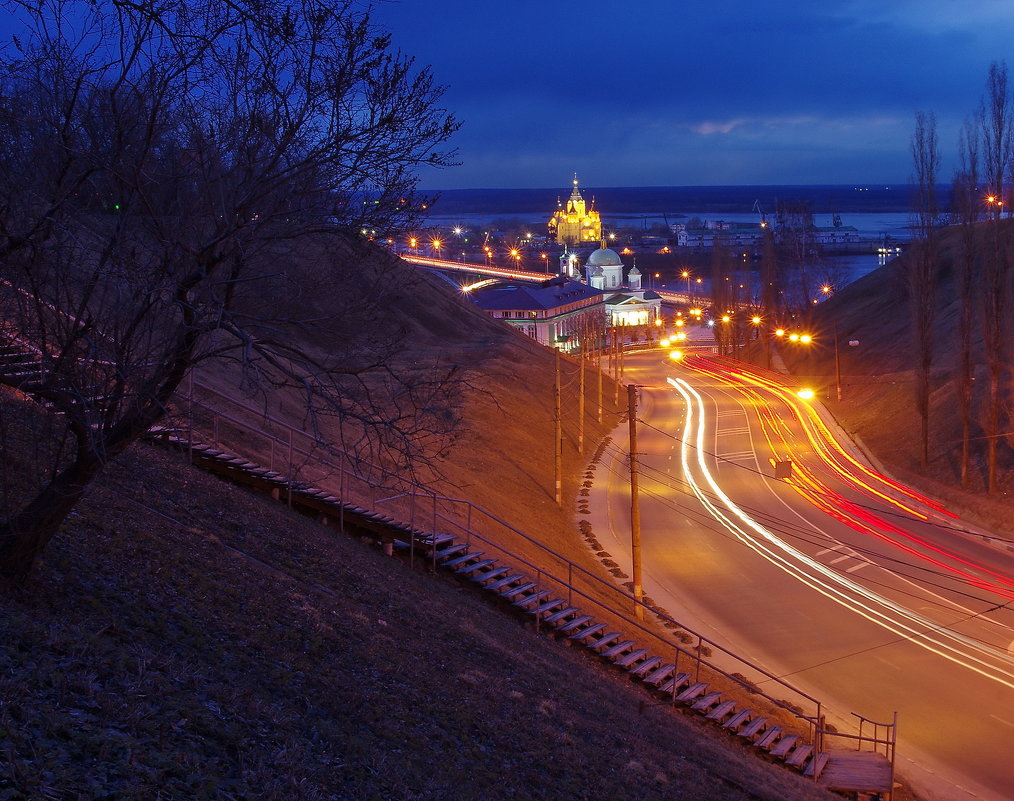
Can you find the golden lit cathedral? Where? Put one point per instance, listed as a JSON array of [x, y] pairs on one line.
[[573, 224]]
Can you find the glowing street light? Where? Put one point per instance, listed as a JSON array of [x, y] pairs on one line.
[[806, 394]]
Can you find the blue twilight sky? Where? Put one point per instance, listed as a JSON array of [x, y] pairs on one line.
[[685, 92]]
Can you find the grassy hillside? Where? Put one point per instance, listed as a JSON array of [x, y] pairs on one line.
[[187, 639]]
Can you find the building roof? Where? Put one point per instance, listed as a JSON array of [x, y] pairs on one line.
[[515, 295], [604, 257]]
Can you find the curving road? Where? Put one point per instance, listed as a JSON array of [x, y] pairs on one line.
[[852, 587]]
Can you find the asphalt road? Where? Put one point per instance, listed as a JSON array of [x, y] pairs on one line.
[[854, 589]]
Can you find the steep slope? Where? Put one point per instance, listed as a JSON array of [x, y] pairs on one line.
[[186, 639]]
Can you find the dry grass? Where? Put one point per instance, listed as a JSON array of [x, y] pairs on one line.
[[186, 639]]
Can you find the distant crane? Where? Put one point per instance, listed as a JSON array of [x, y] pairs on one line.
[[760, 212]]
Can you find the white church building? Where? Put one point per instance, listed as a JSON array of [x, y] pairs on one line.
[[625, 303]]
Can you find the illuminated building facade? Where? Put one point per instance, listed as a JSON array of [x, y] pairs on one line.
[[555, 312], [627, 305], [574, 223]]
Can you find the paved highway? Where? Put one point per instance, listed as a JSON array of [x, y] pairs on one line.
[[850, 586]]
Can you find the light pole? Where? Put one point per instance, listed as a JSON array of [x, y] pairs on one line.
[[635, 508], [837, 363]]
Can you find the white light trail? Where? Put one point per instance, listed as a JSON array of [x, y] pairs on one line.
[[895, 618]]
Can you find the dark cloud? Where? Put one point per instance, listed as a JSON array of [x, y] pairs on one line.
[[657, 92]]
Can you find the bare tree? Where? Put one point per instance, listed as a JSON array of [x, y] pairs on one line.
[[722, 297], [996, 155], [967, 205], [798, 253], [921, 267], [182, 182]]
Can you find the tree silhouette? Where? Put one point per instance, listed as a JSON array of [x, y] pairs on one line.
[[181, 182]]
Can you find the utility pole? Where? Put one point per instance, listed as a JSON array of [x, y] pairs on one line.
[[598, 352], [837, 362], [635, 507], [558, 436], [580, 402]]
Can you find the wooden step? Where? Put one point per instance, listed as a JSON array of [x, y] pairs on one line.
[[706, 701], [630, 658], [800, 755], [513, 578], [767, 738], [605, 641], [577, 622], [692, 692], [586, 632], [451, 550], [528, 600], [615, 649], [817, 765], [722, 711], [737, 720], [783, 746], [512, 592], [470, 557], [675, 683], [435, 540], [660, 674], [488, 575], [549, 606], [645, 666], [465, 569]]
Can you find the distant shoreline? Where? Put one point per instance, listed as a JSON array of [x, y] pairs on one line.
[[684, 200]]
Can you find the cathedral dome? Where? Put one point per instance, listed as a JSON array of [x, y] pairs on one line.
[[604, 257]]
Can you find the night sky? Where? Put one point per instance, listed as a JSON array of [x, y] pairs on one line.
[[683, 92]]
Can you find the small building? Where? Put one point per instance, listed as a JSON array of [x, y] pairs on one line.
[[555, 312], [625, 303], [730, 234], [575, 223], [634, 305]]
